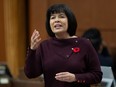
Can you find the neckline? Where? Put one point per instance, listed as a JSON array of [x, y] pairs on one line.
[[65, 40]]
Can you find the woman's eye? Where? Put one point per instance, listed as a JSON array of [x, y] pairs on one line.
[[62, 16], [52, 17]]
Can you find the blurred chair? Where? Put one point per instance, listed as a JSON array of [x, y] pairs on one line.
[[5, 75], [108, 79]]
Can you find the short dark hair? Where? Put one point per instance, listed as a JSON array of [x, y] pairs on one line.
[[57, 8], [94, 35]]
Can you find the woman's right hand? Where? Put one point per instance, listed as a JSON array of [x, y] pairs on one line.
[[35, 40]]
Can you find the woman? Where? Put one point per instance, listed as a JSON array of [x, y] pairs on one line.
[[65, 59]]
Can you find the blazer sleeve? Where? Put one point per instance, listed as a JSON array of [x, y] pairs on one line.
[[33, 63], [93, 74]]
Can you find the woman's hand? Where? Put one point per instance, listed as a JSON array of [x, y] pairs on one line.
[[35, 40], [65, 76]]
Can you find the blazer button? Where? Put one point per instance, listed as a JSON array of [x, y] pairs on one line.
[[67, 56], [78, 81], [76, 41]]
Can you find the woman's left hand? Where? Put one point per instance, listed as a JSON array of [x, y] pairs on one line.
[[65, 76]]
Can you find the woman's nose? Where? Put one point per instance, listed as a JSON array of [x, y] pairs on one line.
[[57, 19]]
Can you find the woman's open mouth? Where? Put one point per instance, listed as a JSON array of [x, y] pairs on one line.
[[58, 26]]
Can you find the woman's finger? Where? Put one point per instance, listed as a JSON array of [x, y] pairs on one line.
[[33, 34]]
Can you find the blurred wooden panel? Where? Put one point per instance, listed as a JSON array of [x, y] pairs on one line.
[[2, 39], [109, 35], [37, 16], [15, 41]]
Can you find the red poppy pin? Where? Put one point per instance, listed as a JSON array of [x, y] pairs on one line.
[[76, 49]]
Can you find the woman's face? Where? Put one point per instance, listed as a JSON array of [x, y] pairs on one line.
[[59, 23]]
